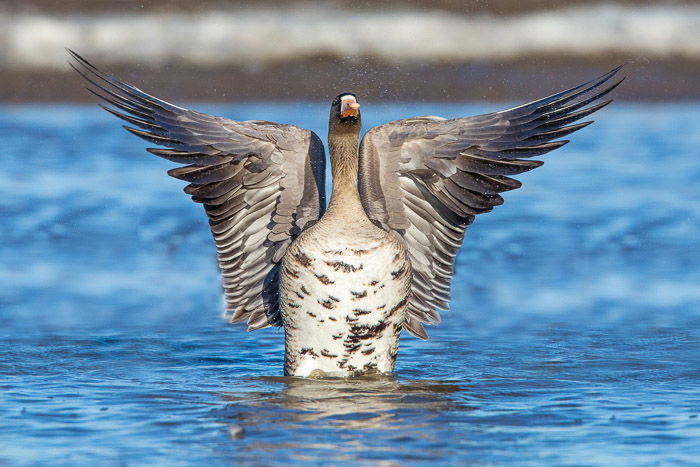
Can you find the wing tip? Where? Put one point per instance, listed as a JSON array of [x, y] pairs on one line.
[[152, 137], [256, 326], [415, 328]]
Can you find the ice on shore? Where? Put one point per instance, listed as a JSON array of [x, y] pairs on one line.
[[253, 36]]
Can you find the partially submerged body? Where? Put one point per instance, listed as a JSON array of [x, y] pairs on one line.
[[343, 301]]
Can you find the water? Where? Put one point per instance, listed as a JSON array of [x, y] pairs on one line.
[[573, 336]]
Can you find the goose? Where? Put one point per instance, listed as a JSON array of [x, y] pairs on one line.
[[345, 281]]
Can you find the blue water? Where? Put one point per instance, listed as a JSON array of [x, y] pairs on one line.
[[573, 336]]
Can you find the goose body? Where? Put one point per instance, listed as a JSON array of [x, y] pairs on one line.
[[343, 297], [346, 281]]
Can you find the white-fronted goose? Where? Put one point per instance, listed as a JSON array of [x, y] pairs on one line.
[[345, 281]]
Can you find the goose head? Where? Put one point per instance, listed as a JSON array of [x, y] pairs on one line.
[[345, 115]]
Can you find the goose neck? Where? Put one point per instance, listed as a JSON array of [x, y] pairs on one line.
[[345, 199]]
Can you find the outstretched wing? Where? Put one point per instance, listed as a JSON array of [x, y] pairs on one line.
[[261, 184], [427, 178]]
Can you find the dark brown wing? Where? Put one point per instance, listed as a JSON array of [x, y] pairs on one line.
[[427, 178], [261, 184]]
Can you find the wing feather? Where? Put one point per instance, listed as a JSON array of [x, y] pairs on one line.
[[426, 178], [261, 184]]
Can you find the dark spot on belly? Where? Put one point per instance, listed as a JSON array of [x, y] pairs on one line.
[[293, 305], [303, 259], [381, 307], [358, 295], [351, 346], [327, 354], [293, 273], [299, 294], [359, 312], [398, 306], [332, 318], [308, 350], [399, 273], [359, 252], [350, 319], [337, 336], [367, 331], [370, 367], [331, 297], [369, 351], [342, 266], [326, 304], [323, 279], [373, 283], [333, 252], [313, 315], [304, 291]]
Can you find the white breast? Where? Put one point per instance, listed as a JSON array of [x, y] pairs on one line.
[[343, 302]]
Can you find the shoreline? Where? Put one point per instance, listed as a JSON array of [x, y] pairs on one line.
[[494, 7], [323, 78]]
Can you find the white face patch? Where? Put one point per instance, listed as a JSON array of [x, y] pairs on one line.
[[349, 106]]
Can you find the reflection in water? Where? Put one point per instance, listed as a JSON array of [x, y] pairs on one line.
[[334, 415]]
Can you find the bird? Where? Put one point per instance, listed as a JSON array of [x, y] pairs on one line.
[[345, 281]]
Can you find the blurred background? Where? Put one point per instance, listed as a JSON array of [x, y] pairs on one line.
[[574, 331], [287, 49]]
